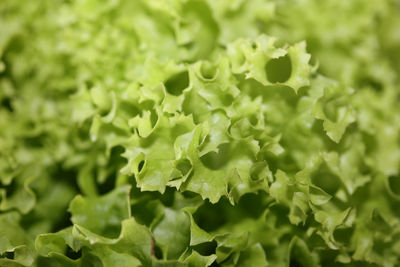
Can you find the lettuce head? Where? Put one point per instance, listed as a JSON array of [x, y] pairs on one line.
[[199, 133]]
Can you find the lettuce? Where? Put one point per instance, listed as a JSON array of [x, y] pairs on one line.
[[199, 133]]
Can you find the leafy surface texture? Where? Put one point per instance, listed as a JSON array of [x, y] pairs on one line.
[[195, 133]]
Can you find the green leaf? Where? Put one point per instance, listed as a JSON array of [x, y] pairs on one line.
[[172, 233], [198, 235], [101, 215], [23, 199], [197, 260], [253, 256], [14, 239]]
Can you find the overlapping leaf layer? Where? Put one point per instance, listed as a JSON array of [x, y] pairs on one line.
[[199, 133]]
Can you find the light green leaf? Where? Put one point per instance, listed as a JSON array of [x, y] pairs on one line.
[[101, 215]]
